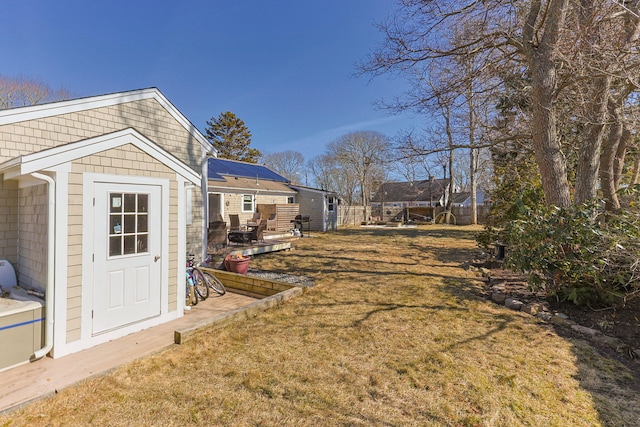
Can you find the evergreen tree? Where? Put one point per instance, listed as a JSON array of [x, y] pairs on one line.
[[231, 137]]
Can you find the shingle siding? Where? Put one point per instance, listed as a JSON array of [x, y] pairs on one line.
[[146, 116], [144, 165], [8, 220], [32, 232]]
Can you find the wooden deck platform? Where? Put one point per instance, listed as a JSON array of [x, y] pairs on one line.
[[273, 242], [31, 381], [44, 377]]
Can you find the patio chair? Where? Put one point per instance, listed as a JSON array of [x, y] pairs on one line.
[[247, 236], [255, 219], [234, 222], [257, 233], [272, 223]]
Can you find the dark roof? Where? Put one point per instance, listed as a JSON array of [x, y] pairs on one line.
[[316, 190], [412, 191], [219, 167], [462, 197]]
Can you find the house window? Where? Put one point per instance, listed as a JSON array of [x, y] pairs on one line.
[[128, 223], [291, 199], [247, 203], [331, 203]]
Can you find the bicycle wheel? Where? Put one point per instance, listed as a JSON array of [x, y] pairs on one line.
[[200, 284], [214, 283]]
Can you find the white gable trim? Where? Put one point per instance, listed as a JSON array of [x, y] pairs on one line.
[[15, 115], [53, 157]]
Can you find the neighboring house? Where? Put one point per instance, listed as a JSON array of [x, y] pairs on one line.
[[320, 205], [464, 199], [241, 188], [95, 200], [395, 200]]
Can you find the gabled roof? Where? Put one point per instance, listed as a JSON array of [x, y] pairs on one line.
[[412, 191], [219, 168], [311, 189], [20, 114], [461, 198]]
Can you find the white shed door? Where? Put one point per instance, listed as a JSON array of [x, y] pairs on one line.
[[127, 247]]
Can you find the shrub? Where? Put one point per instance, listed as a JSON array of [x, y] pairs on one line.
[[582, 254]]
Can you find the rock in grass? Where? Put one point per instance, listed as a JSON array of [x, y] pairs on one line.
[[513, 304], [498, 297], [532, 308], [584, 330], [562, 320]]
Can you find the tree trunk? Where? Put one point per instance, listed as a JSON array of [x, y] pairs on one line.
[[551, 162], [473, 152], [473, 159], [589, 155], [447, 118], [614, 147], [635, 179], [609, 150], [618, 162]]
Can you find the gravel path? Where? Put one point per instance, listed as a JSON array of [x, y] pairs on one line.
[[281, 277]]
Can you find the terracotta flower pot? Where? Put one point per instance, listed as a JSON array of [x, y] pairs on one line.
[[236, 265]]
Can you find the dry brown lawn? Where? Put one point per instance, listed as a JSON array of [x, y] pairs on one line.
[[391, 335]]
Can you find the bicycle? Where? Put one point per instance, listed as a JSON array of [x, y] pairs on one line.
[[191, 297], [203, 281], [201, 290], [212, 281]]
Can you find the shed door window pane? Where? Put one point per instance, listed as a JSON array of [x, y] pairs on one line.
[[128, 224], [332, 202]]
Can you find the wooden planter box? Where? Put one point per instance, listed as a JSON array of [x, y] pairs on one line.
[[249, 285]]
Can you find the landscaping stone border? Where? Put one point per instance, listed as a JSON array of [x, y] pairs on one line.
[[500, 295]]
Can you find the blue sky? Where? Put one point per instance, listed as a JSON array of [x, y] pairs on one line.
[[285, 67]]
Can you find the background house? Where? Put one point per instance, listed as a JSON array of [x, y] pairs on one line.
[[320, 206], [463, 199], [397, 201], [100, 199], [243, 189]]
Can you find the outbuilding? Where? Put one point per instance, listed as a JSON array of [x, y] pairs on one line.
[[319, 207], [100, 199]]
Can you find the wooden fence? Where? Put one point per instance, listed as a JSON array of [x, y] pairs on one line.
[[354, 215], [463, 214], [285, 214]]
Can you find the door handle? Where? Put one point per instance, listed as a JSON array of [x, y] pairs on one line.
[[156, 258]]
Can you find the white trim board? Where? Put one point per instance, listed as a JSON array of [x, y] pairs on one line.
[[50, 158]]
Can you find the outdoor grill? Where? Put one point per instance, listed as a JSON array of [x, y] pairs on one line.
[[300, 221]]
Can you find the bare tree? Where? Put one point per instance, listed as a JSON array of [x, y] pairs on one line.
[[409, 165], [363, 154], [574, 56], [329, 174], [289, 164], [22, 91]]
